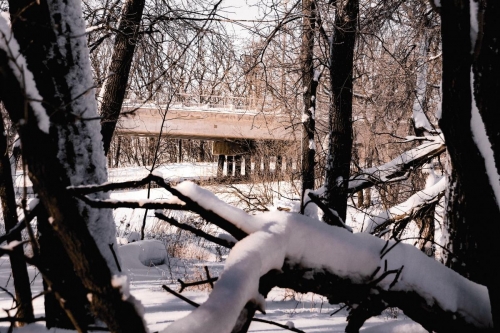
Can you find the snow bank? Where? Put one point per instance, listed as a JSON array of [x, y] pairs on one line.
[[141, 254], [395, 327]]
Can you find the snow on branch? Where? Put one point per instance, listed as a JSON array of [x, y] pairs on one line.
[[18, 67], [199, 201], [408, 208], [401, 274], [400, 167]]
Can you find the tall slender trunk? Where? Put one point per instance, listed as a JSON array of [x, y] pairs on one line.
[[115, 84], [19, 269], [310, 83], [340, 115]]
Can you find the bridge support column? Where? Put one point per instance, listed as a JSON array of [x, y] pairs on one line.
[[230, 163], [248, 166], [237, 166], [257, 169], [220, 166]]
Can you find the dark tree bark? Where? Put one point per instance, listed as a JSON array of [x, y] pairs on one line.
[[340, 115], [58, 268], [52, 158], [118, 151], [115, 84], [8, 198], [486, 67], [473, 212], [179, 157], [30, 34], [310, 84]]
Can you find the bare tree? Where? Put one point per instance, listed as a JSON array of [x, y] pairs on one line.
[[340, 114]]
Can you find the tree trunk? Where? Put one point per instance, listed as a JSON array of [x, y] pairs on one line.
[[179, 157], [473, 211], [8, 198], [115, 85], [52, 39], [55, 262], [340, 115], [118, 151], [486, 69], [310, 83]]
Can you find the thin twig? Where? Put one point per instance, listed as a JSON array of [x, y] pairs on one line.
[[197, 232], [338, 310], [209, 277], [10, 294], [19, 226], [185, 285], [115, 257], [185, 299]]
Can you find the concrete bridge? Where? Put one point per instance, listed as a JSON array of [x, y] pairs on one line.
[[205, 118], [233, 123]]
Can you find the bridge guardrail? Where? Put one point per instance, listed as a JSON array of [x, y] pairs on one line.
[[201, 102]]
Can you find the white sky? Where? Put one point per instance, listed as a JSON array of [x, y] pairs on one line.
[[240, 10]]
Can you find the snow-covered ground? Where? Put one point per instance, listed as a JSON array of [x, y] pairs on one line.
[[309, 312], [152, 263]]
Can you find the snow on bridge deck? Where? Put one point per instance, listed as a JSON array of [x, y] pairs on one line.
[[208, 121]]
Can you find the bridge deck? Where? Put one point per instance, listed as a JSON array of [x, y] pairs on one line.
[[195, 122]]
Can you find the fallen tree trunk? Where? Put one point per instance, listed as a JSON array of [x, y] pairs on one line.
[[293, 251], [400, 167], [362, 266]]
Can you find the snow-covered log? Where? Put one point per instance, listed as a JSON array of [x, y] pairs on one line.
[[400, 167], [294, 251]]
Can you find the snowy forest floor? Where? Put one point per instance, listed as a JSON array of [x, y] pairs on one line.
[[169, 255], [308, 312]]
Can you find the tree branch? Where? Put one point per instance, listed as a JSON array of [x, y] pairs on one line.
[[197, 232], [399, 167]]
